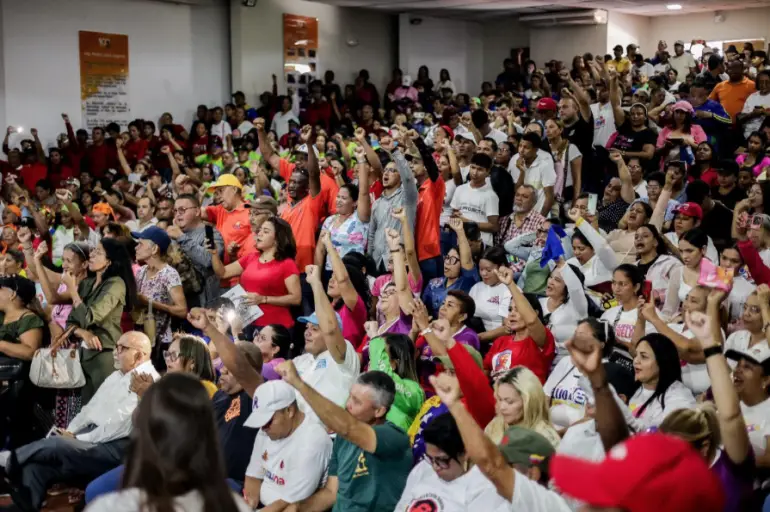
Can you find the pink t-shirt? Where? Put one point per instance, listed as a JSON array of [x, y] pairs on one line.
[[353, 322], [758, 166]]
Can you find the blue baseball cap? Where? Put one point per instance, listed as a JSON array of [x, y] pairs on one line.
[[155, 235], [313, 319]]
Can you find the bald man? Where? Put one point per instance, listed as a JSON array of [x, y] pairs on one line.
[[94, 441]]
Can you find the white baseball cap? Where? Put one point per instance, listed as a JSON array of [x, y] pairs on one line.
[[270, 397], [759, 354]]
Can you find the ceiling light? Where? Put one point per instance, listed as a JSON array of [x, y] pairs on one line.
[[674, 7]]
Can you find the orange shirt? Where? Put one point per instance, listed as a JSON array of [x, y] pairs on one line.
[[733, 96], [304, 217], [234, 226], [427, 229], [329, 189]]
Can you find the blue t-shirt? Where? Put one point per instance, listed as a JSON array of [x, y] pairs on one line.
[[436, 291]]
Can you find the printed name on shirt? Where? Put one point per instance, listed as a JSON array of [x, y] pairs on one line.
[[277, 480]]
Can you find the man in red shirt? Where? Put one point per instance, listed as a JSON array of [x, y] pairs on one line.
[[431, 189], [73, 146], [319, 110], [100, 156], [58, 171], [178, 130]]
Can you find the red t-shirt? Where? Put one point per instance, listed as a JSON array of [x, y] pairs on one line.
[[134, 150], [268, 279], [507, 353], [31, 174], [59, 174], [353, 323], [100, 158], [427, 227], [375, 190]]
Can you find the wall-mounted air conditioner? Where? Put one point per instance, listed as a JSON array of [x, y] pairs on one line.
[[579, 17]]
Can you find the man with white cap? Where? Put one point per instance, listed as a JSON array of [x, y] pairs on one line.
[[682, 61], [291, 453]]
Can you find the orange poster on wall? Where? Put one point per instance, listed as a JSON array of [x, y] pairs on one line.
[[300, 51], [104, 79]]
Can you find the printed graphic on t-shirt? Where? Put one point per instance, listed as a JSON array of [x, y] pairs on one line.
[[429, 503], [361, 469], [234, 411], [501, 361]]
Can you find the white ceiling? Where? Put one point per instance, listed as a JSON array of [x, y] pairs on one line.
[[489, 8]]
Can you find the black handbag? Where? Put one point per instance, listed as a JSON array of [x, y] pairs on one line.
[[11, 368]]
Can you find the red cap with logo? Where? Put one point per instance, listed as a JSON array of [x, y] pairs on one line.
[[547, 104], [647, 473], [691, 210]]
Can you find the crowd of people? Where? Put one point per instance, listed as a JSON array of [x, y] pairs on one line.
[[551, 295]]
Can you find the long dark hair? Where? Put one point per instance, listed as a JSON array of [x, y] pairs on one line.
[[175, 449], [669, 369], [285, 245], [603, 332], [120, 266], [282, 340], [402, 350], [360, 284]]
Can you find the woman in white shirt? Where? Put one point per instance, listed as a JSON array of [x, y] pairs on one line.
[[731, 258], [752, 381], [564, 305], [445, 473], [568, 163], [692, 249], [521, 401], [445, 82], [627, 288], [593, 256], [657, 369], [491, 296]]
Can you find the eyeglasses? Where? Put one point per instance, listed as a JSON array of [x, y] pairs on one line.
[[122, 348], [391, 169], [181, 211], [171, 357], [452, 260], [438, 462]]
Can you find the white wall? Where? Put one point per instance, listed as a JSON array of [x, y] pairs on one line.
[[624, 29], [178, 57], [743, 24], [257, 43], [500, 36], [563, 43], [439, 43]]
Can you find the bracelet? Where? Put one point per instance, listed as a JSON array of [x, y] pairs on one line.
[[426, 331], [712, 351]]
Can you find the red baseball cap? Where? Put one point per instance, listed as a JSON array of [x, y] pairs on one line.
[[647, 473], [546, 104], [691, 210]]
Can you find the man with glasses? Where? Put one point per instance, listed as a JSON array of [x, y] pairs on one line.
[[189, 232], [95, 440]]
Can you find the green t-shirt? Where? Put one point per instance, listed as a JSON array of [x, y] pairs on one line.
[[409, 394], [371, 481]]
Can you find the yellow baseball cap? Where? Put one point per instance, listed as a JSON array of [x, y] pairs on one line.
[[226, 180]]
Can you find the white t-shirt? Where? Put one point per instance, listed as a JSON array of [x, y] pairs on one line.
[[755, 99], [676, 397], [492, 303], [446, 210], [645, 69], [682, 64], [245, 127], [221, 130], [292, 468], [540, 174], [641, 188], [477, 204], [131, 500], [623, 325], [757, 420], [331, 380], [530, 496], [568, 399], [604, 123], [496, 135], [471, 491], [661, 68], [694, 376], [738, 295], [281, 122], [134, 224]]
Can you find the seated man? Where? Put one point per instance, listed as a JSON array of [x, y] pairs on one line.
[[291, 452], [97, 437], [371, 457]]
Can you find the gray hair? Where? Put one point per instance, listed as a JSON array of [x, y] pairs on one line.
[[381, 386]]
